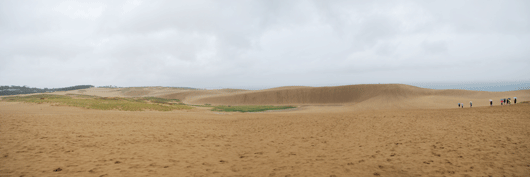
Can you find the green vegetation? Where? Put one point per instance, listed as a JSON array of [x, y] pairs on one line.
[[15, 90], [159, 100], [249, 108], [129, 104], [81, 96], [104, 103], [205, 105]]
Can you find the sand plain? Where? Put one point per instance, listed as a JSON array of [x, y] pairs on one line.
[[396, 131]]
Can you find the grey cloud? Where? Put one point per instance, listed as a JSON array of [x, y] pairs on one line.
[[435, 47], [507, 17], [267, 43]]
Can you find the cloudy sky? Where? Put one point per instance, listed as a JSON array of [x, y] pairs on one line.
[[269, 43]]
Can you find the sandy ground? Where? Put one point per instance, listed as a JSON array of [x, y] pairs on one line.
[[360, 130], [38, 139]]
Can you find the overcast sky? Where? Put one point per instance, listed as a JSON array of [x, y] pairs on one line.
[[249, 44]]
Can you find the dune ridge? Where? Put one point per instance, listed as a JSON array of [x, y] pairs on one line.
[[357, 97], [371, 95]]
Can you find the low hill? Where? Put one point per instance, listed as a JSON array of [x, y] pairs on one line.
[[350, 97], [315, 95], [16, 90], [368, 96]]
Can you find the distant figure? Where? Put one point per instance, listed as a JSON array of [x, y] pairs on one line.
[[505, 101], [462, 105], [470, 104], [458, 104], [514, 100], [491, 102], [501, 102]]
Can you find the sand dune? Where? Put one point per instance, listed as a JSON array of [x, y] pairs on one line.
[[357, 130], [356, 97], [298, 95], [352, 97], [190, 96], [374, 96]]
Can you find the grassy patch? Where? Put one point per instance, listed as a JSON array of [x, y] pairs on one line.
[[103, 103], [249, 108], [205, 105], [80, 96], [159, 100]]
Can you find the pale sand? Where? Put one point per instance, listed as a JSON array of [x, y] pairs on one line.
[[348, 139]]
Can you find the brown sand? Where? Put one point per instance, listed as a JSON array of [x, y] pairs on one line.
[[331, 139], [373, 96]]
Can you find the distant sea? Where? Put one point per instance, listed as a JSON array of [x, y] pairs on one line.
[[492, 86]]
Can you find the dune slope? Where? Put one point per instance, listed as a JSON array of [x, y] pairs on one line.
[[371, 96], [315, 95]]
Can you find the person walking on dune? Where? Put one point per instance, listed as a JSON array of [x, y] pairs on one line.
[[491, 102], [458, 104], [470, 104], [514, 100]]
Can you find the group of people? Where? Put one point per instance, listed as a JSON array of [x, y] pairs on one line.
[[461, 105], [504, 101]]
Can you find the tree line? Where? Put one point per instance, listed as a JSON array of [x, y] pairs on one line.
[[15, 90]]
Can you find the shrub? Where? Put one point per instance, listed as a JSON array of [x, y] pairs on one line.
[[249, 108], [101, 103]]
